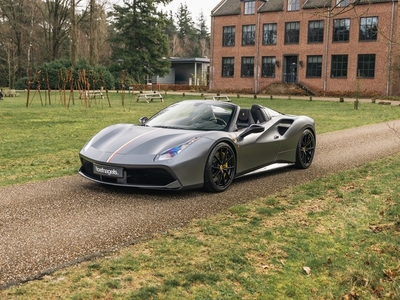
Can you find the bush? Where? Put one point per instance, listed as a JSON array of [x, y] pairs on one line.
[[59, 74], [21, 83]]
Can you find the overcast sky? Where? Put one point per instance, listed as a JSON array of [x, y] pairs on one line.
[[195, 7]]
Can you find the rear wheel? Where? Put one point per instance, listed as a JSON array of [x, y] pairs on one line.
[[305, 150], [220, 168]]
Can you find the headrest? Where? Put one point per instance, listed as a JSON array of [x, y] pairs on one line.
[[244, 114]]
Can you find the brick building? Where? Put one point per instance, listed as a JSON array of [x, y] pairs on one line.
[[328, 46]]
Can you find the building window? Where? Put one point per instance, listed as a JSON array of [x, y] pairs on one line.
[[249, 7], [268, 66], [368, 29], [314, 66], [342, 3], [315, 31], [366, 65], [292, 32], [228, 66], [228, 36], [247, 67], [293, 5], [269, 34], [249, 34], [339, 66], [341, 30]]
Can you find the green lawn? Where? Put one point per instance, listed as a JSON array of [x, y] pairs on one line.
[[333, 238], [42, 141]]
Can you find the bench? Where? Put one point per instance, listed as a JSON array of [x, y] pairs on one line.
[[10, 93], [91, 94], [150, 97], [218, 98]]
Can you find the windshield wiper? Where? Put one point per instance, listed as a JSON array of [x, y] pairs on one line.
[[168, 127]]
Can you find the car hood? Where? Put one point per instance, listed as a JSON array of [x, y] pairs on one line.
[[127, 139]]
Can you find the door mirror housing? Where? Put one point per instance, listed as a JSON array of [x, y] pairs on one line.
[[254, 128], [143, 121]]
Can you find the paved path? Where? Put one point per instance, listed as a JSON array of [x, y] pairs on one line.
[[306, 98], [55, 223]]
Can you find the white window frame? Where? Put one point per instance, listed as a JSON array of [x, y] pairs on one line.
[[249, 7], [293, 5], [343, 3]]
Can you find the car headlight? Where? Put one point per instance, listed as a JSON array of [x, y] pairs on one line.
[[172, 152]]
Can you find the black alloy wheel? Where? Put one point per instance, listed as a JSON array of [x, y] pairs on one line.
[[305, 149], [220, 168]]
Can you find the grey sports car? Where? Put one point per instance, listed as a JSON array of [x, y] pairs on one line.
[[197, 143]]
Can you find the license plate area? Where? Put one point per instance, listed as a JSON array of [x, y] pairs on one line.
[[108, 171]]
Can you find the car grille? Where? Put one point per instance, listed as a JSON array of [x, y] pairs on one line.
[[134, 176]]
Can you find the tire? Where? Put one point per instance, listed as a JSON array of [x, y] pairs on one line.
[[220, 168], [305, 149]]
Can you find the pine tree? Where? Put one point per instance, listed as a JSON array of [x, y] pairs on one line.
[[185, 31], [140, 41], [203, 36], [171, 31]]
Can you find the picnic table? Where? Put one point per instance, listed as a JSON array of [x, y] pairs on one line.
[[91, 94], [10, 93], [218, 98], [150, 97]]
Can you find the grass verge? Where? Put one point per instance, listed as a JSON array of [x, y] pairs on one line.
[[43, 141], [333, 238]]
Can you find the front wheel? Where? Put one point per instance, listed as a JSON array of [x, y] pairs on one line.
[[220, 168], [305, 149]]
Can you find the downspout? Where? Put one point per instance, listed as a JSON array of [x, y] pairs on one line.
[[326, 50], [195, 72], [390, 51], [211, 83], [256, 83]]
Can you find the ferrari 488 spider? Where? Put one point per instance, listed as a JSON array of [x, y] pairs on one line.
[[197, 143]]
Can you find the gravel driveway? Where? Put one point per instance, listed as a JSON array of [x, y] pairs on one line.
[[55, 223]]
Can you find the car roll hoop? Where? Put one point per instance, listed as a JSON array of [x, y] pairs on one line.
[[244, 118]]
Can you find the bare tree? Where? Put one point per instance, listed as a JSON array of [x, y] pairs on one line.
[[73, 30], [16, 18], [93, 57], [55, 24]]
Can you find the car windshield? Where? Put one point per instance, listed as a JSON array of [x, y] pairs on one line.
[[194, 115]]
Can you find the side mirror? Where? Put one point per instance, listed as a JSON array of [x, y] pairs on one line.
[[143, 121], [254, 128]]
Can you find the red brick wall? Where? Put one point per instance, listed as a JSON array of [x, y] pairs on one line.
[[351, 84]]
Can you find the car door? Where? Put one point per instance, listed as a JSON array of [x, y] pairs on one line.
[[257, 150]]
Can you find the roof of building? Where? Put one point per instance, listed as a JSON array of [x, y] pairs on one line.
[[226, 8], [232, 7], [328, 3], [271, 5], [189, 60], [318, 3]]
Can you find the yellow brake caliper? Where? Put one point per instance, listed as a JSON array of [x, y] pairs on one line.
[[224, 166]]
